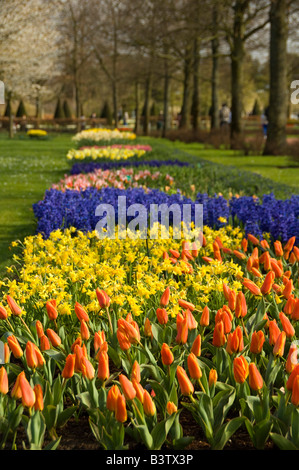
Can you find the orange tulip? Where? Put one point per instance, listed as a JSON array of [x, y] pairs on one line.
[[191, 322], [6, 353], [112, 396], [265, 244], [87, 368], [34, 357], [240, 369], [185, 384], [293, 374], [14, 346], [279, 345], [213, 376], [239, 254], [99, 340], [130, 330], [235, 341], [28, 395], [292, 359], [139, 390], [39, 398], [295, 392], [69, 368], [84, 331], [255, 379], [148, 328], [268, 282], [51, 309], [288, 289], [194, 367], [81, 313], [103, 299], [165, 297], [196, 346], [15, 309], [232, 300], [103, 366], [44, 343], [205, 317], [253, 239], [123, 340], [286, 325], [171, 408], [241, 306], [295, 312], [166, 355], [148, 404], [224, 314], [53, 337], [257, 341], [121, 410], [274, 332], [226, 291], [218, 334], [135, 373], [252, 287], [290, 305], [16, 391], [278, 248], [3, 381], [39, 329], [182, 329], [127, 387], [3, 313], [186, 305], [162, 316], [289, 245]]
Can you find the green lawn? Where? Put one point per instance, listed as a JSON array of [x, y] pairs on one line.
[[280, 169], [27, 169]]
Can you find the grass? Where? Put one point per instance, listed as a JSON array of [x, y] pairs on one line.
[[280, 168], [29, 167]]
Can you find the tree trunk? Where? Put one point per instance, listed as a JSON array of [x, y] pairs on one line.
[[147, 100], [215, 74], [237, 56], [136, 127], [165, 100], [115, 103], [195, 96], [185, 113], [278, 101]]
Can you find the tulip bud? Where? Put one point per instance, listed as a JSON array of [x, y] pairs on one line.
[[162, 316], [87, 368], [112, 395], [3, 313], [196, 346], [3, 381], [240, 369], [39, 398], [121, 410], [81, 313], [84, 331], [257, 341], [135, 373], [205, 317], [171, 408], [166, 355], [103, 298], [165, 297], [15, 309], [279, 345], [252, 287], [194, 367], [148, 404], [295, 392], [255, 379], [69, 367], [218, 335], [268, 282], [53, 337], [103, 366], [274, 332], [51, 309], [292, 358], [14, 346], [127, 387], [39, 329], [28, 395], [213, 376], [241, 307], [186, 305], [184, 382], [286, 325]]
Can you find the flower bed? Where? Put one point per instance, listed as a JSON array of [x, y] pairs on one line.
[[93, 136], [72, 209], [142, 337]]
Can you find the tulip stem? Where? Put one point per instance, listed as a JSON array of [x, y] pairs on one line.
[[138, 412], [26, 326], [10, 325], [109, 320], [201, 385], [245, 331]]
